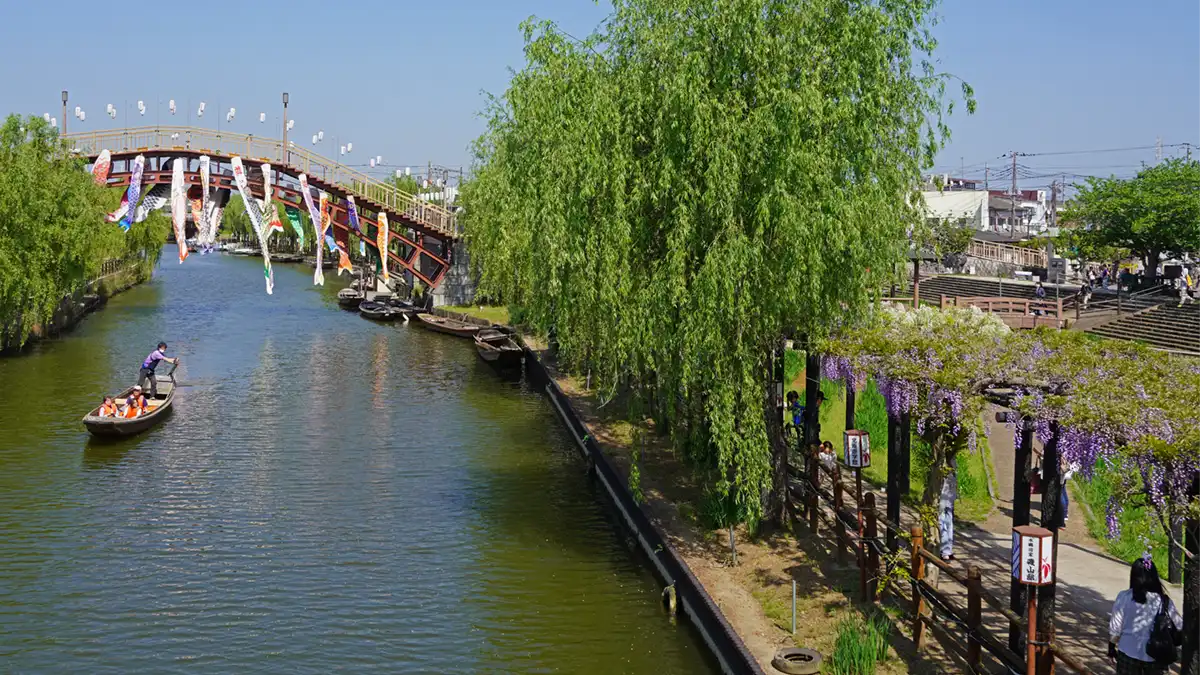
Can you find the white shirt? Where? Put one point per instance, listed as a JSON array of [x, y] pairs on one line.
[[1131, 622]]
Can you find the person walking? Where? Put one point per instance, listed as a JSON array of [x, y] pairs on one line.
[[946, 508], [150, 364], [1133, 617]]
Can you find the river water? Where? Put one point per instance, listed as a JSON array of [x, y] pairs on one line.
[[328, 495]]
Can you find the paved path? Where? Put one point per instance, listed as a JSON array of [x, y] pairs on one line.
[[1088, 578]]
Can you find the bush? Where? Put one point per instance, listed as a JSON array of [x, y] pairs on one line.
[[861, 645], [1140, 528]]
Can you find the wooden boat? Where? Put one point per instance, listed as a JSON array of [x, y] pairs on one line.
[[498, 348], [441, 324], [349, 298], [156, 411], [378, 311]]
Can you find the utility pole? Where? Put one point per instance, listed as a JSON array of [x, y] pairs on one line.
[[64, 117], [1012, 203]]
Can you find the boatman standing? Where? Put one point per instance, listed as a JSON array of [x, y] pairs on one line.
[[148, 366]]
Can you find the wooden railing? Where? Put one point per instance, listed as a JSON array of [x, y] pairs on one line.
[[1016, 312], [250, 147], [882, 549], [1005, 253]]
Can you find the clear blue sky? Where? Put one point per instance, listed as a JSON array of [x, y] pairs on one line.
[[404, 79]]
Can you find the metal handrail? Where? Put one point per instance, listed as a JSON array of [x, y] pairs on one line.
[[249, 146]]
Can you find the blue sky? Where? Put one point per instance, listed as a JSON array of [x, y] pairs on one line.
[[403, 79]]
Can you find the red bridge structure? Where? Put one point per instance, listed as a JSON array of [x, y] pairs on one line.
[[422, 234]]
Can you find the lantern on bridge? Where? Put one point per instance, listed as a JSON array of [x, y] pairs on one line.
[[77, 110], [343, 149], [171, 106], [349, 147], [314, 139], [291, 123], [399, 173], [379, 159], [54, 122], [320, 135], [46, 116], [262, 117], [372, 162], [407, 171], [110, 108], [857, 448], [112, 114], [82, 116]]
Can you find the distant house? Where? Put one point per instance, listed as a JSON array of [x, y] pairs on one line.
[[967, 202]]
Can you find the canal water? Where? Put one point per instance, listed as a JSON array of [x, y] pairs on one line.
[[328, 495]]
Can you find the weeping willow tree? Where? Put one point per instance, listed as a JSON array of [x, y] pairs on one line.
[[678, 192], [53, 235]]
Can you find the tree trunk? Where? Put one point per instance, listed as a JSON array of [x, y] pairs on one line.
[[1151, 261], [1191, 589], [777, 502]]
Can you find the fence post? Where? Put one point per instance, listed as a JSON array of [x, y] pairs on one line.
[[974, 616], [871, 538], [918, 574], [814, 497], [838, 525]]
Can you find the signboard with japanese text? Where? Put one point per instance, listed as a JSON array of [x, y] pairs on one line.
[[857, 449], [1033, 555]]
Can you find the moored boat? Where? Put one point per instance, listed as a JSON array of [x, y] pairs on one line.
[[378, 311], [156, 411], [441, 324], [498, 348], [349, 298]]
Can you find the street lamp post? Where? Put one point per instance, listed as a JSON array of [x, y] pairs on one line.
[[285, 142], [64, 115]]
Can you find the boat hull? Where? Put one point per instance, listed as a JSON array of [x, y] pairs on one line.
[[118, 427], [438, 324]]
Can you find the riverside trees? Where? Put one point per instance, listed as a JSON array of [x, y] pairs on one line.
[[678, 192], [53, 235]]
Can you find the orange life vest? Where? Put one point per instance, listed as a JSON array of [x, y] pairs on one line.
[[135, 406], [108, 410]]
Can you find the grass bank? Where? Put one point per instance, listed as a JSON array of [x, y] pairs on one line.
[[490, 313], [870, 414], [1140, 528]]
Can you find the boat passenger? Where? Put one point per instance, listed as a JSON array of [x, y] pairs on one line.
[[108, 408], [135, 405]]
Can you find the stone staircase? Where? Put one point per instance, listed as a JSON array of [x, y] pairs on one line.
[[1167, 326], [975, 287]]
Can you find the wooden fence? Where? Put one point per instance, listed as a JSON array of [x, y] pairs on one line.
[[1015, 312], [883, 550]]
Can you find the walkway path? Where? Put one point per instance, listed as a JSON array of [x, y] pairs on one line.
[[1088, 578]]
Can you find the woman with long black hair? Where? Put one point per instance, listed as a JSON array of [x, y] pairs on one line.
[[1133, 617]]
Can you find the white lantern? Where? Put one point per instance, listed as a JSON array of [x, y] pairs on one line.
[[141, 104], [292, 144], [82, 115], [46, 116], [349, 147], [399, 173], [77, 110], [112, 114], [372, 162], [379, 159], [1033, 555], [343, 149], [141, 111], [200, 112], [320, 135], [314, 139], [291, 123], [857, 448], [407, 171], [232, 112], [110, 108], [54, 122], [262, 117], [171, 106], [201, 106]]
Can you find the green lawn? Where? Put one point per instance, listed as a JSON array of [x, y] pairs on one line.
[[487, 313]]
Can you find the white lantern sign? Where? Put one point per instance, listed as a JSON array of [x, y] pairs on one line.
[[1033, 555], [857, 448]]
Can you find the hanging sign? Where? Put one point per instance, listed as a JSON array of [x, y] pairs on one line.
[[1033, 555], [857, 445]]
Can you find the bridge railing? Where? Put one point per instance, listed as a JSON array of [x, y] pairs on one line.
[[251, 147], [1005, 253]]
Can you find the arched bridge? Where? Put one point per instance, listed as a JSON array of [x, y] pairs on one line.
[[422, 234]]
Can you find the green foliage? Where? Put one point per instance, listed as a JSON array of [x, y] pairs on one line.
[[860, 645], [1155, 212], [1140, 529], [53, 235], [672, 194]]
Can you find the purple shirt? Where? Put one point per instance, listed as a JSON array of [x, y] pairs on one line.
[[151, 361]]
